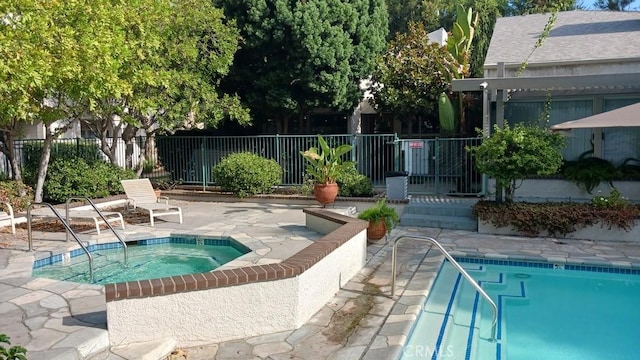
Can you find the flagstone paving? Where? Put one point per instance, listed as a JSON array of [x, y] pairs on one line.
[[62, 320]]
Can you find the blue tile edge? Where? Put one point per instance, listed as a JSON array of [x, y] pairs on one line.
[[550, 265], [178, 239]]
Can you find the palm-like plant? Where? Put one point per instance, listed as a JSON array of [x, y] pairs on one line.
[[325, 163]]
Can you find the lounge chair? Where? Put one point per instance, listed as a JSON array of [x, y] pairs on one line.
[[91, 215], [141, 195], [6, 217]]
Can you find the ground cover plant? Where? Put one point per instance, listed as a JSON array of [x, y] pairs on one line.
[[560, 218], [12, 352]]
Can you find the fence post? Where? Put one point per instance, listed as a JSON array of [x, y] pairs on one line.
[[396, 152], [204, 171], [354, 148], [436, 171], [279, 157]]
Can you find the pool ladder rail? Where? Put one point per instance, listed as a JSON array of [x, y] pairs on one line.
[[70, 231], [455, 264]]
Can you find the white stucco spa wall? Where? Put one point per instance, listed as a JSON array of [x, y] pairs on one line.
[[320, 283], [206, 316], [320, 225]]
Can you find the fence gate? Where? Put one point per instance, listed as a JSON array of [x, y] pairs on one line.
[[440, 166]]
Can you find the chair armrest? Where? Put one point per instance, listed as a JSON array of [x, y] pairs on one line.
[[132, 202], [9, 208], [165, 198]]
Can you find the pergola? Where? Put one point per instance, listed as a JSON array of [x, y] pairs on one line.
[[601, 82]]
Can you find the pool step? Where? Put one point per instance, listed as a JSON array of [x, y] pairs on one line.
[[152, 350], [456, 215]]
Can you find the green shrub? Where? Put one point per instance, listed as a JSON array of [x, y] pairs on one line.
[[247, 174], [16, 193], [352, 183], [75, 177], [516, 153], [13, 352], [67, 149]]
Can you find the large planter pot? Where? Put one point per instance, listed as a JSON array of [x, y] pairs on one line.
[[325, 193], [376, 231]]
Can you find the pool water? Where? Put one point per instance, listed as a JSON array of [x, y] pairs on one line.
[[545, 312], [147, 259]]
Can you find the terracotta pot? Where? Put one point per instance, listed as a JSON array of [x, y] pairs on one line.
[[158, 192], [376, 231], [325, 193]]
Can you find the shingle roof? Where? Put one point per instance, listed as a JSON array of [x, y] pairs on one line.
[[575, 36]]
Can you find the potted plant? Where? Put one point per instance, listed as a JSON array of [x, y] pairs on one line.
[[382, 219], [324, 164]]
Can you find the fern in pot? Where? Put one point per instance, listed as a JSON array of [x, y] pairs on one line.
[[382, 219]]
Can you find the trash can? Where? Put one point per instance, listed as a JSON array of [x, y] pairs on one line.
[[396, 184]]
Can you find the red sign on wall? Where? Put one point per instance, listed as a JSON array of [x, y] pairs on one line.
[[416, 144]]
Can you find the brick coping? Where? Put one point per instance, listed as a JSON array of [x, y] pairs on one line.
[[290, 267]]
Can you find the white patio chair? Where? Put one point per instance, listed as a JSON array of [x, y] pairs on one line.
[[6, 217], [141, 195]]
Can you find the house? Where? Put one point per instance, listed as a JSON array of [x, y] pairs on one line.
[[589, 63]]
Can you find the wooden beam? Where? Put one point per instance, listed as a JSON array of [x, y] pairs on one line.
[[574, 82]]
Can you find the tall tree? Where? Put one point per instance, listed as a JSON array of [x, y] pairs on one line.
[[76, 40], [156, 71], [412, 73], [176, 55], [615, 5], [299, 55], [25, 71], [403, 12], [524, 7]]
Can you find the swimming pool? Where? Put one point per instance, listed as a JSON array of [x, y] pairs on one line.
[[148, 259], [545, 311]]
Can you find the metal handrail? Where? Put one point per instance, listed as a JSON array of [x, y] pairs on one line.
[[455, 265], [66, 225], [124, 245]]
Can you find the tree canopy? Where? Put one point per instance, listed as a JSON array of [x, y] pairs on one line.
[[412, 73], [615, 5], [299, 55], [152, 65]]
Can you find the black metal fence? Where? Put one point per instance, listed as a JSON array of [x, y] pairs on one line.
[[435, 166], [190, 159]]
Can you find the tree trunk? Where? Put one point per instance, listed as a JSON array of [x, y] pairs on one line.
[[143, 152], [128, 134], [44, 166], [10, 145], [8, 137]]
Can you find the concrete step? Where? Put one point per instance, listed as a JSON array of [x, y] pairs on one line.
[[152, 350], [55, 354], [442, 222], [461, 210]]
